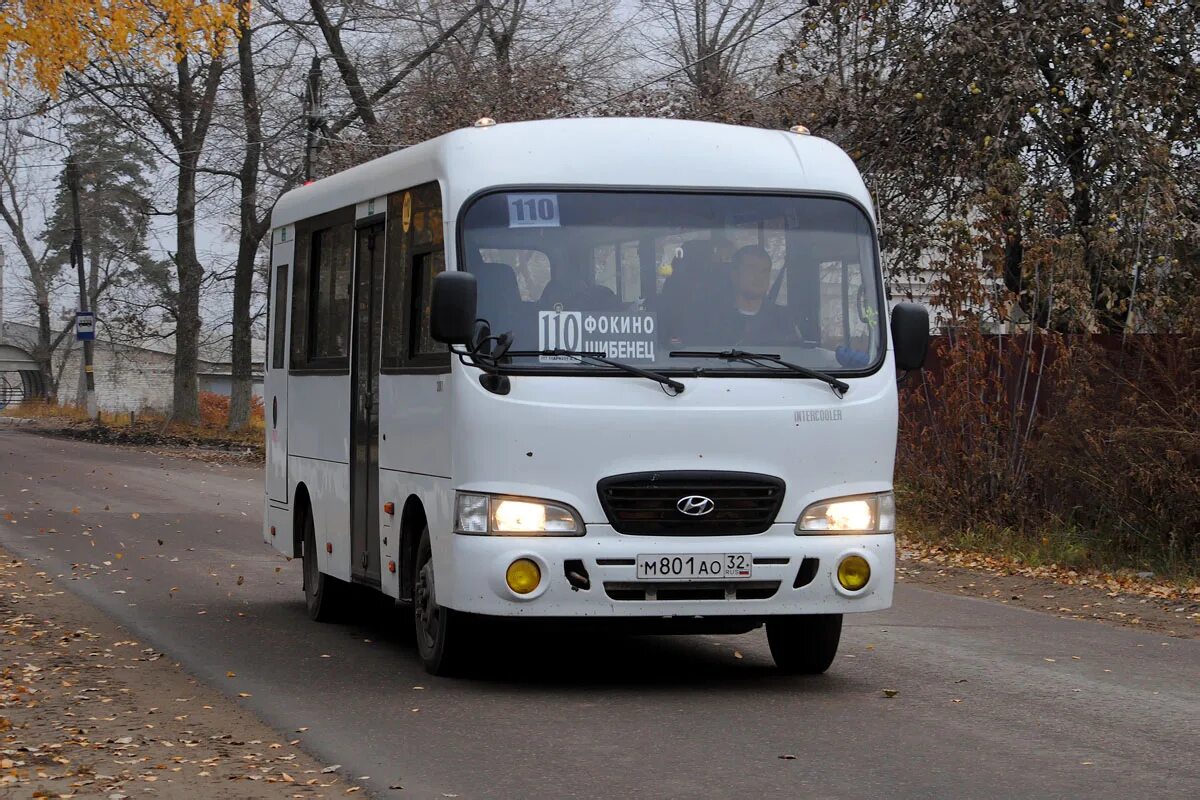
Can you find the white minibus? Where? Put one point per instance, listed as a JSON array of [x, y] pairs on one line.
[[616, 371]]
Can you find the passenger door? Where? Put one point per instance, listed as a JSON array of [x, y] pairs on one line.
[[364, 385]]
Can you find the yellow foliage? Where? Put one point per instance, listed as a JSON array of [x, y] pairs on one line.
[[47, 38]]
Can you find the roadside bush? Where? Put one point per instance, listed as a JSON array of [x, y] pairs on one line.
[[1087, 447], [214, 410], [1126, 461]]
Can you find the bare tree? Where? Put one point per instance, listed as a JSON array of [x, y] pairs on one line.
[[714, 42], [42, 271]]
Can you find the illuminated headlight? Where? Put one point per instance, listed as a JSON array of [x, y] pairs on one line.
[[484, 514], [871, 513]]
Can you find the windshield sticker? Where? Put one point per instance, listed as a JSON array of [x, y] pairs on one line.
[[532, 210], [622, 336]]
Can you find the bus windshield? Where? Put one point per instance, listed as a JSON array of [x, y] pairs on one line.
[[638, 276]]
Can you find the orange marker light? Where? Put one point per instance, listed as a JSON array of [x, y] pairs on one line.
[[391, 566], [329, 547], [389, 507], [272, 530]]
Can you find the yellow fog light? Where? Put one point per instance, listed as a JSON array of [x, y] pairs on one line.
[[853, 573], [523, 576]]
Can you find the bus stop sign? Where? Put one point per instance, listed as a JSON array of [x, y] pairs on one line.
[[85, 326]]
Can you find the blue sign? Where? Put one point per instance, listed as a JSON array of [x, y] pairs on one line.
[[85, 326]]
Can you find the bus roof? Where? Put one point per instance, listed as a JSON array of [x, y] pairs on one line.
[[609, 152]]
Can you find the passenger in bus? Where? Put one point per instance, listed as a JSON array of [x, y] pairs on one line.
[[695, 291], [754, 319]]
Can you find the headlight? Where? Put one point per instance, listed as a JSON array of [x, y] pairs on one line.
[[871, 513], [484, 514]]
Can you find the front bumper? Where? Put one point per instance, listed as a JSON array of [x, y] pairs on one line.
[[470, 575]]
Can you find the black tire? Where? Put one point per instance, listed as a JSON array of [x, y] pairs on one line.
[[441, 632], [804, 644], [324, 595]]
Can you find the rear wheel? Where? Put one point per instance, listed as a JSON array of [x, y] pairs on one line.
[[324, 595], [441, 634], [804, 644]]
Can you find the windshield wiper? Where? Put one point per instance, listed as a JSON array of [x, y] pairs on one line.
[[839, 387], [602, 358]]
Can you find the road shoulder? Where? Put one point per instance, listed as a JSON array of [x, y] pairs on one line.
[[88, 711], [1139, 604]]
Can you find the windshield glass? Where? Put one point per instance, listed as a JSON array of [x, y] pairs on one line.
[[637, 275]]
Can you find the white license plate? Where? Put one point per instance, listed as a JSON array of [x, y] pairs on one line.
[[694, 566]]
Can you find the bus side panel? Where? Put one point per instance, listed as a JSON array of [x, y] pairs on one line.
[[436, 496], [328, 486], [277, 528], [319, 458], [414, 414], [414, 458]]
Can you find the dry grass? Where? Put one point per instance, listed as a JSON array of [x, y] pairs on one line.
[[214, 418]]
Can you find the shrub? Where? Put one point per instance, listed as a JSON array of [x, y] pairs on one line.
[[1040, 435], [214, 410]]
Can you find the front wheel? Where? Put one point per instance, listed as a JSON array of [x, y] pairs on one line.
[[441, 634], [804, 644]]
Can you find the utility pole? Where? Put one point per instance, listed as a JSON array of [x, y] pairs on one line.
[[313, 116], [77, 260]]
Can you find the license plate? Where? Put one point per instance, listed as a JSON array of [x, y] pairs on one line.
[[694, 566]]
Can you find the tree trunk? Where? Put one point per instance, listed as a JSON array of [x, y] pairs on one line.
[[194, 116], [187, 310], [43, 352], [251, 229]]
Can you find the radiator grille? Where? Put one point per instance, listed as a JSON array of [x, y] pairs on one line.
[[648, 502]]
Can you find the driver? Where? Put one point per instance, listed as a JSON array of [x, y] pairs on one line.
[[753, 319]]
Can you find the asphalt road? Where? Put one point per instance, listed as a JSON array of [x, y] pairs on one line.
[[992, 701]]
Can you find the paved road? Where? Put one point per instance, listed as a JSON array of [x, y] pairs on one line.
[[993, 701]]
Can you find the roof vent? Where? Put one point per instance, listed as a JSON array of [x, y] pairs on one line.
[[484, 122], [800, 129]]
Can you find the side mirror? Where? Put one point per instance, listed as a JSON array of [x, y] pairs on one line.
[[910, 335], [452, 308]]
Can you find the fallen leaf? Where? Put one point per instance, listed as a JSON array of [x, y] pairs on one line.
[[890, 692], [329, 769], [135, 515]]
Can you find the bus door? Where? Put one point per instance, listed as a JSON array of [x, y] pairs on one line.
[[364, 386]]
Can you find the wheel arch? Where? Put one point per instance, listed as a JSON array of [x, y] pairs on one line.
[[302, 506], [412, 523]]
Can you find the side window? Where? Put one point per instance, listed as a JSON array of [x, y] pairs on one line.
[[846, 310], [604, 264], [321, 291], [630, 275], [329, 285], [415, 255], [279, 322], [425, 267]]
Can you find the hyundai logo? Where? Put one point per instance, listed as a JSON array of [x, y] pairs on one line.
[[695, 505]]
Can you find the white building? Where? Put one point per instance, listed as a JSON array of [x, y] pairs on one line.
[[129, 377]]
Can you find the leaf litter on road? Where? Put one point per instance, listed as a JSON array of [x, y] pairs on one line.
[[79, 712]]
